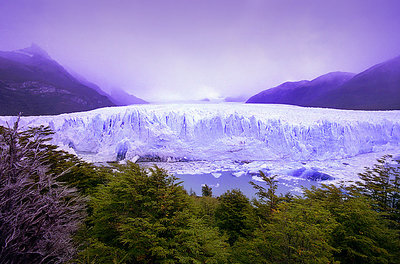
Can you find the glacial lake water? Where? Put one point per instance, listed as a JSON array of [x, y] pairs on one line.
[[223, 175], [227, 180]]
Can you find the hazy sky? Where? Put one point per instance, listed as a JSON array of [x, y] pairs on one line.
[[192, 49]]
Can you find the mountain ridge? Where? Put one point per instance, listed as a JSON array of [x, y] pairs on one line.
[[32, 83], [376, 88], [301, 93]]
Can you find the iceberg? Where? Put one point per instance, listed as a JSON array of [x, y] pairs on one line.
[[216, 175]]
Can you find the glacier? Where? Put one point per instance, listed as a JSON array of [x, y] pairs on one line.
[[227, 131]]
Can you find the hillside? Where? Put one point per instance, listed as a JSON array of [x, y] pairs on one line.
[[34, 84], [377, 88]]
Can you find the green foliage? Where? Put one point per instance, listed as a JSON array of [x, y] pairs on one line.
[[362, 235], [146, 215], [82, 175], [234, 215], [268, 200], [206, 190], [297, 232], [99, 252], [138, 215], [381, 184], [74, 171], [68, 168], [204, 208], [328, 225]]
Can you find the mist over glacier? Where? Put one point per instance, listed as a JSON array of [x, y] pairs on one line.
[[221, 132]]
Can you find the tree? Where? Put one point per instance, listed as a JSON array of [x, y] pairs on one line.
[[381, 184], [38, 214], [204, 208], [206, 190], [234, 215], [144, 216], [362, 235], [296, 232], [268, 200]]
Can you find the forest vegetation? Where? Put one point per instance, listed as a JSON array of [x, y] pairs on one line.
[[56, 208]]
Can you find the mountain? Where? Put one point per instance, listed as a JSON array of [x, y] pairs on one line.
[[87, 83], [237, 99], [377, 88], [302, 93], [120, 97], [34, 84], [117, 96]]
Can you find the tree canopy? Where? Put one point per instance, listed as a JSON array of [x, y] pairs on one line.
[[56, 208]]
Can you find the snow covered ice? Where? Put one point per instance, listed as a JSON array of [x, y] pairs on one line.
[[248, 133]]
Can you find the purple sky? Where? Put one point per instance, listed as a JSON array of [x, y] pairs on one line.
[[192, 49]]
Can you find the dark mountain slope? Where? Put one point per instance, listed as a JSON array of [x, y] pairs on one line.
[[117, 96], [377, 88], [302, 93], [120, 97], [34, 84]]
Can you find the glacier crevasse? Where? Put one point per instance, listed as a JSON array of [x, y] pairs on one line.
[[221, 131]]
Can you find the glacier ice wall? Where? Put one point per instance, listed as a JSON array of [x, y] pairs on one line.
[[221, 131]]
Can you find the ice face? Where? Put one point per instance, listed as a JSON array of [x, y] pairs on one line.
[[229, 131]]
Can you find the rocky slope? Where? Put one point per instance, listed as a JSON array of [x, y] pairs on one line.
[[32, 83]]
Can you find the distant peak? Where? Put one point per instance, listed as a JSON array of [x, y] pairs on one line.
[[35, 50], [338, 75]]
